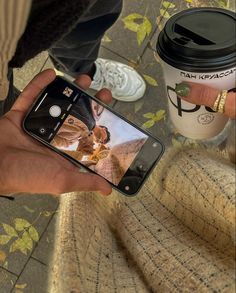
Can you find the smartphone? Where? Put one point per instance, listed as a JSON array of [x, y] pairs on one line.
[[90, 134]]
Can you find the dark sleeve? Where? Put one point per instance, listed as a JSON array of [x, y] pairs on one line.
[[83, 111]]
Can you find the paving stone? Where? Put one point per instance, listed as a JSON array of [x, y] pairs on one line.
[[44, 249], [37, 210], [22, 76], [34, 278], [123, 41], [7, 281]]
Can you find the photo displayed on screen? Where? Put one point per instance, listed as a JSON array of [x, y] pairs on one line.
[[99, 139]]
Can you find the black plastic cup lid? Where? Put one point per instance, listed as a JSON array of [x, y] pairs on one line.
[[199, 40]]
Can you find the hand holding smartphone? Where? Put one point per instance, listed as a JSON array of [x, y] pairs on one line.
[[90, 134]]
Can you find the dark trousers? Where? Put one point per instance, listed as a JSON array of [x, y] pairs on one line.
[[77, 51]]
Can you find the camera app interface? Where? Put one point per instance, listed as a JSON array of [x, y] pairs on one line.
[[97, 138]]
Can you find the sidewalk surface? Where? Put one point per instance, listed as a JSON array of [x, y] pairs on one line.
[[27, 223]]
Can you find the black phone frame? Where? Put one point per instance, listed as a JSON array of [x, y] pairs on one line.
[[77, 163]]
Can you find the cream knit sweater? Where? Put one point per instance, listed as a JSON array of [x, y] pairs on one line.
[[176, 236], [13, 19]]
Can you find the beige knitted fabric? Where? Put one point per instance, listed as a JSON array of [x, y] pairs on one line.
[[13, 18], [177, 235]]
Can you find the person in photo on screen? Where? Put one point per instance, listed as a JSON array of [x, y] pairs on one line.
[[75, 132]]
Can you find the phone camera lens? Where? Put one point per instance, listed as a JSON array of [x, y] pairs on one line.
[[42, 130], [127, 188], [55, 111]]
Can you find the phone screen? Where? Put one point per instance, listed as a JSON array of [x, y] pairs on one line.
[[69, 120], [98, 139]]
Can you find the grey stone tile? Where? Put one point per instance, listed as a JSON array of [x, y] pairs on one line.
[[22, 76], [7, 281], [44, 248], [34, 277], [35, 209], [123, 41]]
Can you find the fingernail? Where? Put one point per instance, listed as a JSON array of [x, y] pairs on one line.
[[182, 89]]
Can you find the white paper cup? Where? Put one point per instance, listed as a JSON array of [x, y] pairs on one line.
[[197, 45]]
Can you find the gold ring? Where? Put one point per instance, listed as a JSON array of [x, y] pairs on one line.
[[219, 105], [216, 104]]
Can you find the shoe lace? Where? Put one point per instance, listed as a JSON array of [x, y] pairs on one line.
[[111, 76]]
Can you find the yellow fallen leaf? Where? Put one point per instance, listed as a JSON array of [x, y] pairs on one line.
[[164, 13], [19, 244], [131, 25], [150, 80], [21, 286], [10, 230], [4, 239], [159, 23], [149, 115], [33, 234], [160, 113], [47, 213], [148, 124], [133, 16], [106, 39], [144, 30], [28, 242], [148, 25], [168, 4], [141, 34], [2, 256], [21, 224], [28, 209]]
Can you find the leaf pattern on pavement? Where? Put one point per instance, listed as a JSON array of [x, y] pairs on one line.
[[153, 118], [21, 236], [139, 24]]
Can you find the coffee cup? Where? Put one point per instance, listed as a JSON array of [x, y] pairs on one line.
[[198, 45]]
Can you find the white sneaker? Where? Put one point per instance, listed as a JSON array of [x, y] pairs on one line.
[[123, 81]]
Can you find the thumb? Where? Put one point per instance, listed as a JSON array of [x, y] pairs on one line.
[[32, 90]]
